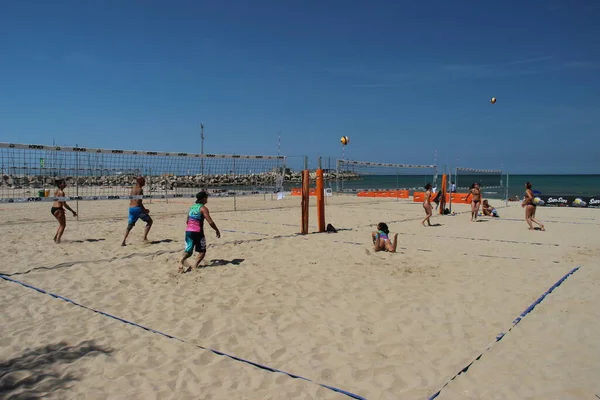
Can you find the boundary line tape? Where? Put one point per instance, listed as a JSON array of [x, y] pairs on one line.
[[501, 335], [220, 353]]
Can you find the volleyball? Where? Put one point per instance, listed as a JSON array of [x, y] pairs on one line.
[[538, 202], [493, 100], [345, 140]]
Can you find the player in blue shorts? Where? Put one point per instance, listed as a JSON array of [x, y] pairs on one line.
[[194, 232], [137, 210]]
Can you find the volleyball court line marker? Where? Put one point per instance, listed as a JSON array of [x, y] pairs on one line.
[[247, 233], [160, 252], [421, 217], [480, 255], [220, 353], [501, 335], [548, 220], [361, 244], [257, 222], [489, 240]]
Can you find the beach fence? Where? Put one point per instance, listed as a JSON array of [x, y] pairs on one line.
[[377, 179], [29, 172]]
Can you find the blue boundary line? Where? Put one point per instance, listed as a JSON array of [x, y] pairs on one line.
[[364, 244], [500, 336], [220, 353], [548, 220], [247, 233]]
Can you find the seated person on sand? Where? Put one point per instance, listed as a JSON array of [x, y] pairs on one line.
[[488, 210], [516, 198], [381, 240]]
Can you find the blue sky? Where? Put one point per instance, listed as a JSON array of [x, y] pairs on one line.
[[400, 78]]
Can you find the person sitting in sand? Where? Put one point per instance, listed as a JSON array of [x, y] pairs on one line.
[[194, 232], [381, 240], [137, 210], [530, 207], [488, 210], [58, 210], [516, 198]]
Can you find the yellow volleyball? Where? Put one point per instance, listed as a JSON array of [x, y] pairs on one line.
[[493, 100], [345, 140]]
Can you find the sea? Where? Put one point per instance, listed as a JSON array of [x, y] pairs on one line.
[[493, 187]]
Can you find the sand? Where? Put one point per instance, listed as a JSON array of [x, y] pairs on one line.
[[321, 306]]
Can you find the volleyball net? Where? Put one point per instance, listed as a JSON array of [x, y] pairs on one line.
[[29, 173], [493, 181], [364, 177]]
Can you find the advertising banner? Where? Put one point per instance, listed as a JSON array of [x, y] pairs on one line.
[[568, 201]]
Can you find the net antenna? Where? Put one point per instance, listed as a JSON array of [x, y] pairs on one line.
[[358, 176], [495, 181], [435, 176], [202, 147], [29, 173]]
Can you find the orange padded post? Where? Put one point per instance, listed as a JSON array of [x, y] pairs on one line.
[[443, 198], [320, 201], [305, 200]]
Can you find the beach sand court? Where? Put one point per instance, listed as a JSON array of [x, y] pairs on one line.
[[325, 307]]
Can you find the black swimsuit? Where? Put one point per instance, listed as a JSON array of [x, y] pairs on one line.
[[54, 209]]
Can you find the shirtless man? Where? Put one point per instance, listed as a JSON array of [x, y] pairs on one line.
[[137, 210], [476, 201], [58, 210]]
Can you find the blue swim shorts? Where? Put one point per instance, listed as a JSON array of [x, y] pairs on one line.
[[136, 213]]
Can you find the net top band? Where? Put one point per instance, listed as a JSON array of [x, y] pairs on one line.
[[374, 164], [130, 152], [487, 171]]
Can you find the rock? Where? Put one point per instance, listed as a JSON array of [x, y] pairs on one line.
[[173, 181]]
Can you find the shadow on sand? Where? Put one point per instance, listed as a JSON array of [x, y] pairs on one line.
[[220, 262], [86, 240], [33, 374], [161, 241]]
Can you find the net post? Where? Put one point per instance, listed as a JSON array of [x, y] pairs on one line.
[[443, 195], [320, 198], [150, 183], [305, 197], [337, 176], [77, 183], [506, 192], [305, 201], [450, 197], [166, 189], [397, 184], [234, 191]]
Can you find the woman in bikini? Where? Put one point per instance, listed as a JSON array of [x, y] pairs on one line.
[[530, 207], [381, 240], [58, 210], [476, 201], [427, 205]]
